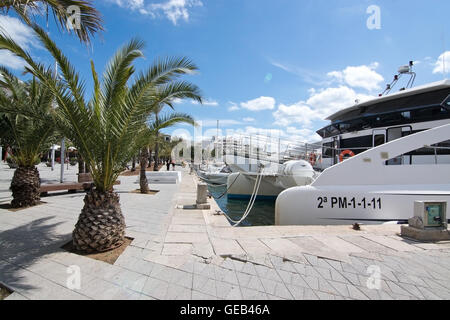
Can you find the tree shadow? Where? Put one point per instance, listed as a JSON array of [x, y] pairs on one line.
[[20, 247]]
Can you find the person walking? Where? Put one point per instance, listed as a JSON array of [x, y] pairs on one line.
[[173, 165], [168, 165]]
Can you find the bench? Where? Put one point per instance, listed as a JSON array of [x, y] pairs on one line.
[[71, 187]]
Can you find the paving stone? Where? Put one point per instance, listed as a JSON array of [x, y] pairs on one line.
[[285, 248], [227, 291], [171, 275], [390, 243], [128, 279], [136, 265], [395, 288], [207, 270], [226, 275], [313, 247], [250, 294], [208, 287], [178, 249], [325, 286], [428, 294], [355, 293], [374, 294], [351, 277], [254, 247], [267, 273], [155, 288], [313, 282], [226, 247], [184, 237], [196, 295], [176, 292], [16, 296]]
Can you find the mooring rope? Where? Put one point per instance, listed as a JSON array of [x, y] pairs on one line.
[[250, 203]]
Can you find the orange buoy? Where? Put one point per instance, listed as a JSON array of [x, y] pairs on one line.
[[345, 153]]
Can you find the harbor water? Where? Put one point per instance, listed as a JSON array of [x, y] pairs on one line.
[[262, 213]]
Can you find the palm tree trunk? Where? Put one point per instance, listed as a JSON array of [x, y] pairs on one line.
[[156, 165], [80, 165], [101, 224], [133, 164], [25, 187], [149, 158], [142, 175]]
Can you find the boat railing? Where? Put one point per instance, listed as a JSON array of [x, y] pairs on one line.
[[265, 148]]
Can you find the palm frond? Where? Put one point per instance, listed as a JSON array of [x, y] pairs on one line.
[[89, 18]]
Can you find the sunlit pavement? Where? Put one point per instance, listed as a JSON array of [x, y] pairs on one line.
[[194, 254]]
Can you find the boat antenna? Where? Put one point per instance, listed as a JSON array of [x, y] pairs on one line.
[[406, 69]]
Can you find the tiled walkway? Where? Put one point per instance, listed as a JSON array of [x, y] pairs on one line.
[[195, 254]]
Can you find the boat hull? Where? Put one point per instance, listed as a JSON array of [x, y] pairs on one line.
[[214, 178], [343, 205], [241, 185]]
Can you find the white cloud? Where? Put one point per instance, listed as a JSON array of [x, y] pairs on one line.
[[233, 106], [442, 64], [359, 77], [21, 34], [301, 135], [222, 122], [9, 60], [318, 106], [249, 119], [261, 103], [174, 10], [210, 103]]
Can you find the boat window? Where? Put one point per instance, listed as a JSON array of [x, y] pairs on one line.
[[437, 112], [406, 115], [327, 150], [378, 140], [357, 145]]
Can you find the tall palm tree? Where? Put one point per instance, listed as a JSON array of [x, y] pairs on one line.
[[104, 128], [27, 108], [149, 136], [90, 18]]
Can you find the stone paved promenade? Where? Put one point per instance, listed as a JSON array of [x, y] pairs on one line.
[[193, 254]]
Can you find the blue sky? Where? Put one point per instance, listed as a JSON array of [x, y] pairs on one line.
[[280, 65]]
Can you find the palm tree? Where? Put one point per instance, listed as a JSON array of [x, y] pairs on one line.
[[27, 118], [150, 136], [104, 128], [90, 19]]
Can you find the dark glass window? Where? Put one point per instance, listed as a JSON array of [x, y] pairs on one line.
[[387, 119], [327, 150], [378, 140]]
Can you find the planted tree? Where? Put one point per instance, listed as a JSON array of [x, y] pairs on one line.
[[104, 128], [27, 119], [150, 136]]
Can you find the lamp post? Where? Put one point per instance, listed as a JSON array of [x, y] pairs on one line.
[[63, 158]]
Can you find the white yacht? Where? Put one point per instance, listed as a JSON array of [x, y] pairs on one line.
[[369, 188], [214, 173], [379, 157], [275, 178]]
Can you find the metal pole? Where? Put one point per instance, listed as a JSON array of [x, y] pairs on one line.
[[63, 157], [53, 157]]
